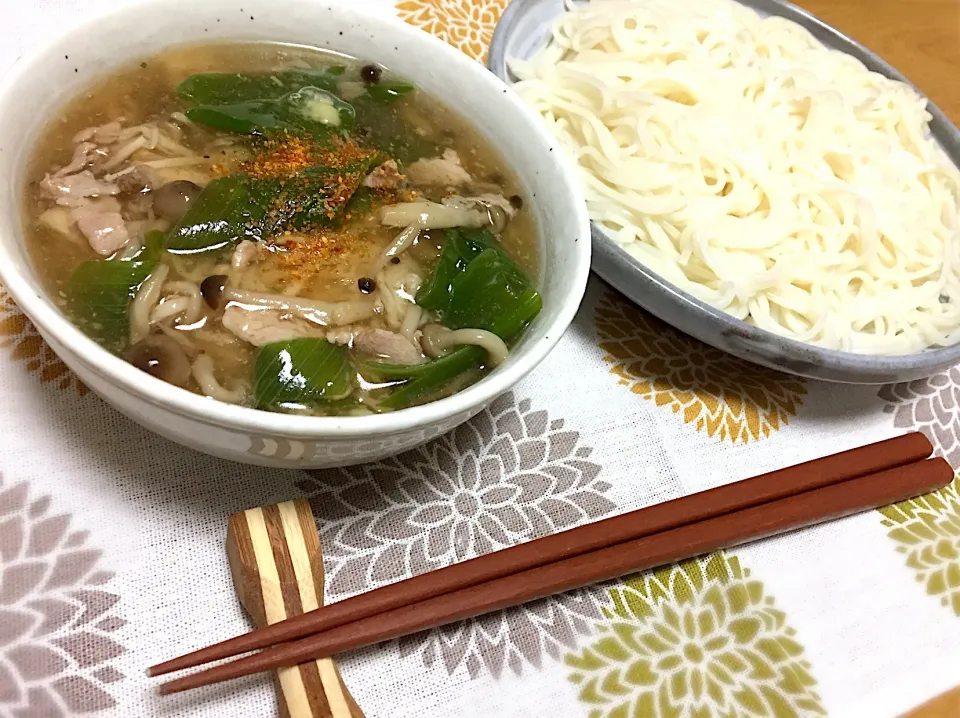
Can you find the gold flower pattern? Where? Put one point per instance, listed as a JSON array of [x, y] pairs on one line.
[[713, 391], [466, 24], [699, 639], [27, 346]]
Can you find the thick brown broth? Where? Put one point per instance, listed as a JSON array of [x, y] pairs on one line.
[[322, 264]]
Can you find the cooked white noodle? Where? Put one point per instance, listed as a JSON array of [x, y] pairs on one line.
[[411, 321], [124, 152], [179, 298], [179, 336], [181, 118], [397, 286], [147, 297], [401, 243], [175, 162], [436, 340], [114, 175], [202, 370], [326, 314], [168, 307], [767, 175]]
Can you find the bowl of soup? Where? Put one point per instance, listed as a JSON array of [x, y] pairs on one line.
[[296, 235]]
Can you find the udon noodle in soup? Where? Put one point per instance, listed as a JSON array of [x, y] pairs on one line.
[[282, 228]]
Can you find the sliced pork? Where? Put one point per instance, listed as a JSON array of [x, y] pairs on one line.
[[104, 134], [386, 176], [105, 231], [444, 171], [264, 326], [71, 190], [81, 159], [389, 346]]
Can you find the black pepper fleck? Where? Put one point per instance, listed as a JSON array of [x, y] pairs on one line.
[[251, 17], [395, 260], [516, 201], [66, 57], [341, 32], [76, 70], [143, 65], [371, 73], [366, 285]]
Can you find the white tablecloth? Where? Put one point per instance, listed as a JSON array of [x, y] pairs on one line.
[[112, 539]]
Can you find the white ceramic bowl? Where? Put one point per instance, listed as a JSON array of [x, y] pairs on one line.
[[39, 84]]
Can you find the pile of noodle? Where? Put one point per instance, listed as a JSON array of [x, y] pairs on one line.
[[763, 173]]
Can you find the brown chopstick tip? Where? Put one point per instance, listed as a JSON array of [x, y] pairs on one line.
[[922, 441], [162, 669], [203, 655], [165, 689]]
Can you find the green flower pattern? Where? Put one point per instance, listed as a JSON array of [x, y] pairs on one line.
[[927, 531], [698, 639], [927, 528]]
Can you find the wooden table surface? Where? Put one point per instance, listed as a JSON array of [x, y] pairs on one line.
[[921, 38]]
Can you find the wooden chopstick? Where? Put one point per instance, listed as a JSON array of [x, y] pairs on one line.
[[731, 529], [775, 485]]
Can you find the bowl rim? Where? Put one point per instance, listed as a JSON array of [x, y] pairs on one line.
[[800, 353], [50, 323]]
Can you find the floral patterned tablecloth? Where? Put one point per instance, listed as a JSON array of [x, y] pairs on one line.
[[112, 558]]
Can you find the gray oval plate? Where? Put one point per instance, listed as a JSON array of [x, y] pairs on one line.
[[523, 30]]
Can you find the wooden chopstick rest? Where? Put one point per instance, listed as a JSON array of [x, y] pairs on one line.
[[277, 569]]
